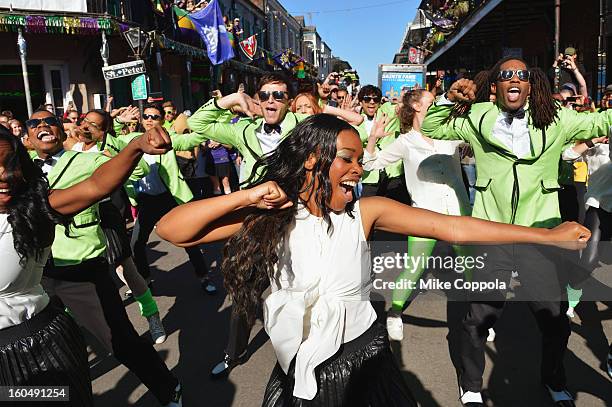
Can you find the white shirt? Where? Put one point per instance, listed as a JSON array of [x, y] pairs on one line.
[[152, 183], [268, 141], [514, 136], [599, 190], [368, 123], [79, 147], [320, 294], [21, 295], [432, 172], [46, 168]]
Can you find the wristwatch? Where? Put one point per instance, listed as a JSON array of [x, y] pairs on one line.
[[589, 144]]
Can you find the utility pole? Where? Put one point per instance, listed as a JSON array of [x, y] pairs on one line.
[[557, 39]]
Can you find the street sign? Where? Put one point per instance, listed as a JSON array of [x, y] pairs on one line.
[[139, 87], [126, 69]]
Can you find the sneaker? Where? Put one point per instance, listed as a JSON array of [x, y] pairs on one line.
[[491, 336], [156, 328], [177, 397], [562, 398], [570, 312], [208, 286], [223, 368], [395, 328], [128, 294]]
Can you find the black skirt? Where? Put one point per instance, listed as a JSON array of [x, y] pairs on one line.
[[117, 239], [47, 350], [362, 373]]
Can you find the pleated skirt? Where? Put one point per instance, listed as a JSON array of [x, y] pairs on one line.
[[117, 239], [47, 350], [363, 373]]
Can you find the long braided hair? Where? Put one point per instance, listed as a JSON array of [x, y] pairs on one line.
[[251, 254]]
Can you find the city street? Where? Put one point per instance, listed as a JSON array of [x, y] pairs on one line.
[[511, 378]]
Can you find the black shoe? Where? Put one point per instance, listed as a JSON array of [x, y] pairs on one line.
[[208, 286], [568, 402], [223, 368]]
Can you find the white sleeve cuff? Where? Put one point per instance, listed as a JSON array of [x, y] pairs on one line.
[[443, 101]]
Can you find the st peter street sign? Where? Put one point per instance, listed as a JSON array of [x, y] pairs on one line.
[[126, 69]]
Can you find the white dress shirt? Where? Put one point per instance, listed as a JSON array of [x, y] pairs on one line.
[[46, 168], [320, 294], [79, 147], [432, 171], [268, 141], [599, 189], [152, 183]]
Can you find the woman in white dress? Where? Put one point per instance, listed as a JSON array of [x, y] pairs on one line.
[[300, 228], [40, 344]]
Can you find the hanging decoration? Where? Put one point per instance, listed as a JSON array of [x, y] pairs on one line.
[[57, 24], [249, 46]]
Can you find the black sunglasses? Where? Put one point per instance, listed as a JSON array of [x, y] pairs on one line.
[[507, 74], [49, 121], [278, 95], [151, 116], [369, 99]]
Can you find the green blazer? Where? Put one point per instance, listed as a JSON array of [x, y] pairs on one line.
[[168, 168], [85, 238], [509, 189], [212, 121], [393, 170]]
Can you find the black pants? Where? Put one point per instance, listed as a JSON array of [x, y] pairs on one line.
[[151, 208], [542, 278], [136, 353], [599, 222]]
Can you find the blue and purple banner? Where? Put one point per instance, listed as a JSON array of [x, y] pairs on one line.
[[209, 24]]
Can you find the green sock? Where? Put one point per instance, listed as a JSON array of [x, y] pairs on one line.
[[147, 304], [573, 296]]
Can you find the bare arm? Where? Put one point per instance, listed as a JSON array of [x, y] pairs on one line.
[[351, 117], [219, 218], [109, 175], [391, 216]]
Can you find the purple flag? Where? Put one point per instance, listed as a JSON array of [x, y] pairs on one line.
[[210, 26]]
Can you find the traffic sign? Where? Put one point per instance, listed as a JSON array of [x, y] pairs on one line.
[[139, 87], [122, 70]]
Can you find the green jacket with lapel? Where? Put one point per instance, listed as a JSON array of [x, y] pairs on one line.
[[511, 190], [85, 238], [393, 170], [211, 120], [168, 169]]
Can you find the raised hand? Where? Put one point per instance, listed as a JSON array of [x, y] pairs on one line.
[[130, 114], [463, 90], [155, 141], [268, 196], [379, 126]]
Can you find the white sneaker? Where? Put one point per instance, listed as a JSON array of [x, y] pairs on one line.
[[177, 398], [395, 328], [156, 328], [570, 312], [491, 336]]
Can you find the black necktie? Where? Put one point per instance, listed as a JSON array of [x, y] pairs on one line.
[[40, 162], [271, 128], [517, 114]]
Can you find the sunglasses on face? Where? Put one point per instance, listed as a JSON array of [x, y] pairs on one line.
[[92, 124], [369, 99], [507, 74], [49, 121], [132, 124], [169, 111], [151, 116], [277, 95]]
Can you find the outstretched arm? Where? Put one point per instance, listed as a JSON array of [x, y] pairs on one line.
[[391, 216], [109, 175], [351, 117], [437, 125], [219, 218]]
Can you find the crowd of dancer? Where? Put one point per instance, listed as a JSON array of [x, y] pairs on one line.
[[299, 184]]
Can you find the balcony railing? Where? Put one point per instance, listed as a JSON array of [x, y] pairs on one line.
[[121, 9]]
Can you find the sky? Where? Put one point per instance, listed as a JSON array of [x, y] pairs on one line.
[[368, 35]]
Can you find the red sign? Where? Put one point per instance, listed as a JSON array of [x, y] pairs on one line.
[[412, 55]]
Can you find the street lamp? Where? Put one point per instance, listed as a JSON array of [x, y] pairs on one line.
[[105, 53], [23, 52], [137, 40]]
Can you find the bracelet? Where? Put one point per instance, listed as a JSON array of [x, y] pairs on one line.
[[589, 144]]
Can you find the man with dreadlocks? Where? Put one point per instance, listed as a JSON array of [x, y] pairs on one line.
[[517, 142]]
